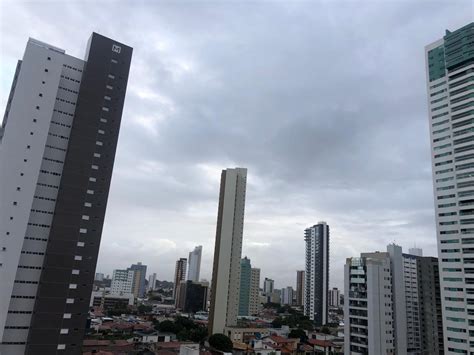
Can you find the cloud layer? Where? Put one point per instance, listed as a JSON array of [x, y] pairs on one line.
[[324, 103]]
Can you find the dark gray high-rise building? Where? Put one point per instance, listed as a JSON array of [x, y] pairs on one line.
[[317, 273], [58, 142], [299, 287]]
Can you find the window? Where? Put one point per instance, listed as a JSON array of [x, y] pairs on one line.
[[115, 61], [87, 204], [108, 98], [92, 179], [85, 217], [40, 95], [111, 76], [83, 230], [75, 272], [72, 286], [70, 300], [78, 257], [106, 109], [109, 87], [103, 120], [61, 346], [67, 315], [64, 331], [46, 70], [90, 192], [80, 244], [99, 143], [96, 155], [101, 131], [95, 167]]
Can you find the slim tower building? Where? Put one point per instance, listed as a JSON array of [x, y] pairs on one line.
[[245, 279], [179, 275], [317, 273], [299, 287], [57, 147], [228, 250], [139, 279], [449, 68], [195, 264]]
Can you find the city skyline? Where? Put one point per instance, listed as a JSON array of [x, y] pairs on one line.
[[282, 201]]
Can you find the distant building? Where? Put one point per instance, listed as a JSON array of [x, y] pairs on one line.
[[228, 251], [195, 264], [179, 276], [139, 279], [152, 282], [193, 296], [254, 303], [287, 295], [122, 282], [268, 286], [334, 298], [393, 304], [245, 278], [415, 251], [317, 273], [99, 276], [111, 301], [299, 287]]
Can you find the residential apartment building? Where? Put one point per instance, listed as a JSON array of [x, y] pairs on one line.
[[317, 273], [228, 251], [245, 277], [57, 147], [195, 264], [268, 286], [393, 304], [450, 77], [287, 294], [122, 282], [300, 287], [152, 282], [334, 298], [254, 303], [139, 279], [179, 275]]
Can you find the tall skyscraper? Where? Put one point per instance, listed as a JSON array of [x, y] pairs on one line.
[[392, 304], [300, 287], [152, 282], [254, 303], [449, 64], [138, 288], [245, 278], [195, 264], [228, 250], [287, 295], [58, 140], [179, 275], [334, 297], [268, 286], [317, 273]]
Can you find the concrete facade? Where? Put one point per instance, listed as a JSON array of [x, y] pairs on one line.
[[228, 251], [300, 287], [194, 261], [254, 303]]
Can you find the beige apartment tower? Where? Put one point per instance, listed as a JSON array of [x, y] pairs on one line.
[[228, 251]]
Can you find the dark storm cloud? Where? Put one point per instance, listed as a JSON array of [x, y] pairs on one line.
[[324, 102]]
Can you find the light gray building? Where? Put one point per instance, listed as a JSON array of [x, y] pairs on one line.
[[316, 284], [450, 76], [58, 141], [268, 286], [122, 282], [392, 304], [228, 251], [194, 263]]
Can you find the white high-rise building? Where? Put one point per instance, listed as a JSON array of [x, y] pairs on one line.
[[122, 282], [450, 77], [392, 304], [194, 263], [287, 295], [317, 273], [58, 141], [334, 297], [268, 286], [228, 251]]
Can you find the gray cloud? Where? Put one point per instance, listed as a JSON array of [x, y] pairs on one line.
[[324, 102]]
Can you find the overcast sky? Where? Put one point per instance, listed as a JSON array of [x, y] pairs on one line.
[[323, 102]]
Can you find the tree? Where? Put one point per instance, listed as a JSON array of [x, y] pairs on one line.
[[198, 334], [143, 309], [167, 326], [297, 334], [325, 330], [221, 342], [277, 322]]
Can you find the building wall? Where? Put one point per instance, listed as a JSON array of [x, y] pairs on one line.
[[317, 273], [122, 282], [228, 250], [245, 279], [449, 63], [254, 304], [195, 264], [300, 287], [139, 279]]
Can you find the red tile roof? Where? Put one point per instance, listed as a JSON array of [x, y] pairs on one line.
[[320, 342]]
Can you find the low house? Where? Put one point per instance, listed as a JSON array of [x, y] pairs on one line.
[[153, 337]]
